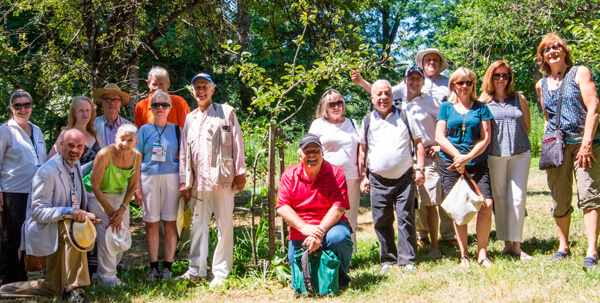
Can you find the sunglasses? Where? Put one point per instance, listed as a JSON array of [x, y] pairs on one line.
[[464, 83], [555, 47], [26, 105], [111, 100], [501, 76], [339, 103], [160, 104]]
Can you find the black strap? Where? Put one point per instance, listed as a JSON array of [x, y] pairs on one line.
[[560, 95], [366, 123], [405, 120], [306, 272], [178, 135]]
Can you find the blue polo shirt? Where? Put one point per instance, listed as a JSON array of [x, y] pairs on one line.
[[147, 136]]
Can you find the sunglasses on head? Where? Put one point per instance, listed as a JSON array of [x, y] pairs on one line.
[[339, 103], [26, 105], [501, 76], [160, 104], [464, 83], [555, 47]]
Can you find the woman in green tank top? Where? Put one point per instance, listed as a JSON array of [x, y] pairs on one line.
[[113, 181]]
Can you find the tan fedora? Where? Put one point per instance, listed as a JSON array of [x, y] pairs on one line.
[[82, 235], [444, 65], [111, 88]]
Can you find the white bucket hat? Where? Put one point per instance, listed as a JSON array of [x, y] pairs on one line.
[[436, 51], [117, 242]]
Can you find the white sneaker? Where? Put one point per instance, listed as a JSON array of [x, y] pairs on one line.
[[217, 281], [188, 276], [110, 282]]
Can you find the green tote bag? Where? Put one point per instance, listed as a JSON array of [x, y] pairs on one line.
[[316, 273]]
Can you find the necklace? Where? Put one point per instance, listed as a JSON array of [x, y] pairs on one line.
[[463, 127]]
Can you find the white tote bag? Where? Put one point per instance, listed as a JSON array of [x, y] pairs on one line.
[[462, 204]]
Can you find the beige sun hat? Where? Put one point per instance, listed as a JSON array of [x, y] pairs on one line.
[[82, 235], [436, 51], [111, 88], [117, 242], [184, 216]]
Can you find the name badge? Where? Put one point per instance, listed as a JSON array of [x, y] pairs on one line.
[[159, 152], [74, 199]]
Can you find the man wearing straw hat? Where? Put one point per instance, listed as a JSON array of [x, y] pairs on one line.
[[111, 97], [57, 191]]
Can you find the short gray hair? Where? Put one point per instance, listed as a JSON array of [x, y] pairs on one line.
[[158, 72], [159, 94], [127, 128], [381, 81]]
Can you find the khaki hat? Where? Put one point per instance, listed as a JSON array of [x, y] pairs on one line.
[[82, 235], [111, 88], [117, 242], [436, 51]]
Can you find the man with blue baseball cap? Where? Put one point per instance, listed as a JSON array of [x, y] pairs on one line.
[[212, 168]]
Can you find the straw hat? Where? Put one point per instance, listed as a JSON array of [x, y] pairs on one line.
[[111, 88], [436, 51], [82, 235], [117, 242]]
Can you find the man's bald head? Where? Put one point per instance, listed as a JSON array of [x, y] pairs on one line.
[[72, 146]]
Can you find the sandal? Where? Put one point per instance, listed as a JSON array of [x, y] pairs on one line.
[[485, 262], [559, 256]]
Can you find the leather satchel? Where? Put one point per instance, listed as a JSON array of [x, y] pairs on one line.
[[34, 263], [553, 144]]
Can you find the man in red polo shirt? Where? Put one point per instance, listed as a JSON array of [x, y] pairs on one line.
[[313, 197]]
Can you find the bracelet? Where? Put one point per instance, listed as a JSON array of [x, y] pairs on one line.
[[124, 206]]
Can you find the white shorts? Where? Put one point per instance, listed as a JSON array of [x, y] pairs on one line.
[[160, 197]]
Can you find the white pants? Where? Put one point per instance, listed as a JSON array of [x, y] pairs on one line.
[[107, 263], [352, 213], [203, 204], [509, 188]]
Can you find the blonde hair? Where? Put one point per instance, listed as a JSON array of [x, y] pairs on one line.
[[488, 90], [459, 73], [72, 119], [552, 39], [321, 111]]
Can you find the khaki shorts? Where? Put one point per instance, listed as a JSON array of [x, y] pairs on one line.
[[587, 180], [430, 193]]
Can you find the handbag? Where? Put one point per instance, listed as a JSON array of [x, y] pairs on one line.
[[553, 144], [462, 204], [34, 263], [316, 273]]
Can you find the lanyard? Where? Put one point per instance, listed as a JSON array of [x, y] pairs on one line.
[[160, 133]]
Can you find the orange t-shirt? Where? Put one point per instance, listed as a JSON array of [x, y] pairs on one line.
[[179, 109]]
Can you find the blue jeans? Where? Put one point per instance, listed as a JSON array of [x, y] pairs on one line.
[[339, 241]]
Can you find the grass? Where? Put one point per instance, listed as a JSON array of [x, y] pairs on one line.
[[441, 281]]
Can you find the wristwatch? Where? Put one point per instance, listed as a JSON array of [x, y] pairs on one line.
[[421, 169]]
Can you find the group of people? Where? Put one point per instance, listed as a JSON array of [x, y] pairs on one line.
[[422, 135], [97, 167]]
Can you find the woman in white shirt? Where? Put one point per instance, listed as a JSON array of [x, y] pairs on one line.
[[22, 152], [339, 137]]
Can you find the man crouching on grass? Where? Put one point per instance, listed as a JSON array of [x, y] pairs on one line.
[[313, 197]]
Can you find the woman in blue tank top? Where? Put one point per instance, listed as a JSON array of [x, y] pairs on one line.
[[578, 119]]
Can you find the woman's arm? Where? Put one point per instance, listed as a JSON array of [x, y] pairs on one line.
[[538, 90], [132, 185], [56, 147], [100, 164], [590, 100], [443, 142], [526, 113], [99, 141], [479, 147]]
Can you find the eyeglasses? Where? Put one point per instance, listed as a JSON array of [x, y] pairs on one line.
[[464, 83], [26, 105], [334, 104], [164, 105], [555, 47], [501, 76], [312, 151], [111, 100]]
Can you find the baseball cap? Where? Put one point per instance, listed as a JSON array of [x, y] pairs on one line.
[[202, 76], [309, 138], [414, 68]]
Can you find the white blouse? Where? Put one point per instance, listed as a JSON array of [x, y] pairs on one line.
[[340, 144]]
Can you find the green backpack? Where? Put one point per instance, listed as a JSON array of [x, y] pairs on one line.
[[316, 273]]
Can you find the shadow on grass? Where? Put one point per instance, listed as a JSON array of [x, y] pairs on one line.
[[365, 280], [367, 255], [538, 192]]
